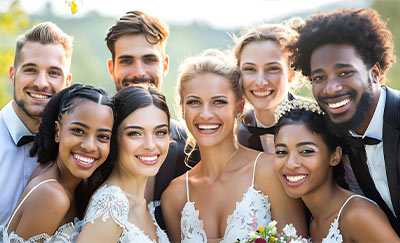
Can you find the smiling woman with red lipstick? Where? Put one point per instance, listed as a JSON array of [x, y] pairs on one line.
[[264, 64], [118, 211], [233, 189], [305, 155], [73, 141]]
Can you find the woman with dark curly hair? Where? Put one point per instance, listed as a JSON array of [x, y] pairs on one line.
[[346, 55], [305, 156], [73, 141]]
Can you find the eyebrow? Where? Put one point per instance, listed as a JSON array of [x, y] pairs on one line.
[[214, 97], [87, 127], [130, 56], [339, 65], [297, 145], [141, 128]]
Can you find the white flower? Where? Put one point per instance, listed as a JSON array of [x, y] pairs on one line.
[[290, 230], [252, 235], [272, 227]]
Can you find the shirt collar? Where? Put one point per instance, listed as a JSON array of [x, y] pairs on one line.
[[375, 127], [15, 126]]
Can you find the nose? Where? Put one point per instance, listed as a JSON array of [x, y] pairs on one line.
[[138, 69], [261, 79], [41, 82], [149, 143], [293, 162], [332, 86], [89, 143], [206, 112]]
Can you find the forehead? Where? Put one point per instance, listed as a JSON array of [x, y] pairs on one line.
[[88, 111], [330, 55], [208, 85], [296, 132], [48, 55], [148, 116], [262, 51], [136, 45]]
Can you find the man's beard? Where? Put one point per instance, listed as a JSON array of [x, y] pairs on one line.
[[21, 104], [137, 81], [354, 123]]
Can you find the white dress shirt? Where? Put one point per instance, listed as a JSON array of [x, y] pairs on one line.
[[267, 140], [375, 155], [16, 165]]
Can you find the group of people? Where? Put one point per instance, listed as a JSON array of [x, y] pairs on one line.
[[81, 166]]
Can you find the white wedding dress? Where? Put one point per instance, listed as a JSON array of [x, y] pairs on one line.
[[65, 234], [334, 235], [251, 212], [111, 201]]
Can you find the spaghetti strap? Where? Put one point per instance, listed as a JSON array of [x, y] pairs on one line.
[[187, 185], [254, 169], [26, 196], [348, 199]]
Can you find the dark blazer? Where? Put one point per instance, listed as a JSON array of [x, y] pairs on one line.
[[391, 150], [173, 165]]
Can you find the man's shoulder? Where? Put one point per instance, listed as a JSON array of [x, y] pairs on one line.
[[392, 107], [178, 132]]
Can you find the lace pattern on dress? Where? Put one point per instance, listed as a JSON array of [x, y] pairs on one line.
[[112, 201], [252, 211]]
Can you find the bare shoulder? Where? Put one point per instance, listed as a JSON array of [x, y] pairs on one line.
[[363, 220], [175, 192]]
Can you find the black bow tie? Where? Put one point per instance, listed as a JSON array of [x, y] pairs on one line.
[[261, 130], [25, 139], [359, 141]]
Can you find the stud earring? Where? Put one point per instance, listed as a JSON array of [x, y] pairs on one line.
[[238, 115]]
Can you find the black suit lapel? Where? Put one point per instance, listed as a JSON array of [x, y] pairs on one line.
[[391, 143]]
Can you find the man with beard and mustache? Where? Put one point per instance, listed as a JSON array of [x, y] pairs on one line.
[[41, 69], [346, 55], [137, 44]]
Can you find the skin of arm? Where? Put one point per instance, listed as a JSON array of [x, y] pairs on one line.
[[363, 221], [43, 211], [173, 200], [284, 210], [100, 231]]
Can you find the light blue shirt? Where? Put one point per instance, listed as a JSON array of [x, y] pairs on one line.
[[16, 165]]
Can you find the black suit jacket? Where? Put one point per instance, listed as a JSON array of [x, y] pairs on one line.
[[173, 165], [391, 150]]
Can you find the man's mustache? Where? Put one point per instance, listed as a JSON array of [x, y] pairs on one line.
[[133, 81]]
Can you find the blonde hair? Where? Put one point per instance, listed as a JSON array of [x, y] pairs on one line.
[[210, 61]]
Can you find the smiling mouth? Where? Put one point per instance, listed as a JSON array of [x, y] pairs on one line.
[[261, 93], [296, 178], [38, 96], [83, 160], [339, 104], [148, 160], [208, 127]]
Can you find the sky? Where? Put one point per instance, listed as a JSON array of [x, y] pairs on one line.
[[217, 13]]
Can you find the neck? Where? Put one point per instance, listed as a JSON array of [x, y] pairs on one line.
[[67, 180], [371, 110], [31, 123], [266, 117]]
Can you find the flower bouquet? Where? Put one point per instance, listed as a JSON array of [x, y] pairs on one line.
[[270, 235]]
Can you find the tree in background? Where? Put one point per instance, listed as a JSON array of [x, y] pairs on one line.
[[12, 22]]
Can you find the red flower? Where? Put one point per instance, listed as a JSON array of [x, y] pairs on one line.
[[260, 240]]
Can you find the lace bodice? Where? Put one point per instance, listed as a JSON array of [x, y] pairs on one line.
[[64, 234], [111, 201], [334, 235], [252, 211]]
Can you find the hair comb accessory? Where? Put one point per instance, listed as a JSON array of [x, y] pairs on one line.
[[297, 104]]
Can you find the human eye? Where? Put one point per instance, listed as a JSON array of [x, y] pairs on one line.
[[151, 59], [77, 131], [345, 74], [29, 70], [220, 102], [161, 133], [104, 137], [54, 73], [192, 102], [307, 151], [248, 69], [125, 61], [134, 134], [280, 152], [317, 78], [273, 69]]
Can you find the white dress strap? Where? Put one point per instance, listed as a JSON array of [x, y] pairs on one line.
[[26, 196], [349, 198], [254, 169], [187, 185]]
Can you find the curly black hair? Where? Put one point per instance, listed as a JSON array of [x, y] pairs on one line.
[[361, 28]]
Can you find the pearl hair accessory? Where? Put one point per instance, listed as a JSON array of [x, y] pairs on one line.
[[297, 104]]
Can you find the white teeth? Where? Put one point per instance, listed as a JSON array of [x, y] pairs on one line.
[[39, 96], [262, 93], [83, 160], [339, 104], [295, 178], [151, 158], [208, 127]]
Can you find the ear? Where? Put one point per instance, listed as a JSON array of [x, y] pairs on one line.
[[336, 156], [376, 73], [240, 106], [11, 76], [292, 74], [68, 80], [57, 130], [165, 65], [110, 65]]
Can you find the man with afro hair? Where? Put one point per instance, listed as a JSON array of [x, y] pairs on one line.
[[346, 54]]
